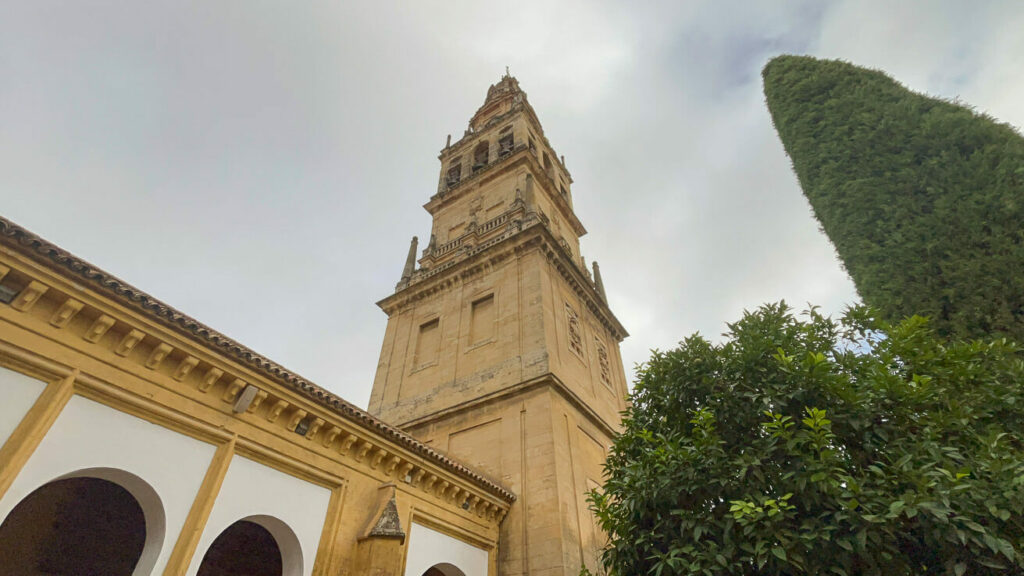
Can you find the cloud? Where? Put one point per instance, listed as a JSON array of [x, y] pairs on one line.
[[263, 166]]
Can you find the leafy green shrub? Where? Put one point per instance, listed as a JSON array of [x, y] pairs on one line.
[[922, 198], [811, 446]]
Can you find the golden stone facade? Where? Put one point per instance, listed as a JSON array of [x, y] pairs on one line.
[[500, 348], [497, 394], [73, 337]]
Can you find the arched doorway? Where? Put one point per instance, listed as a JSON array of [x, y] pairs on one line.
[[444, 569], [83, 524], [253, 546]]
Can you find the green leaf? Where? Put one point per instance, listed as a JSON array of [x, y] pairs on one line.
[[698, 475], [974, 526], [1006, 549], [991, 563], [921, 197]]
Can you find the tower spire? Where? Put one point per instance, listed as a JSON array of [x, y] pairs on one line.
[[502, 328]]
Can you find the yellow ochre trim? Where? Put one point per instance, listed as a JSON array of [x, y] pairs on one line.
[[33, 427], [328, 558], [195, 522]]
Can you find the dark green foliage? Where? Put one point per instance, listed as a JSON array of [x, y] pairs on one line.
[[808, 446], [923, 199]]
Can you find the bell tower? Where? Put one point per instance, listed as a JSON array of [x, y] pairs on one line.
[[500, 348]]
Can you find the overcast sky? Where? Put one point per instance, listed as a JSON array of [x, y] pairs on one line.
[[261, 166]]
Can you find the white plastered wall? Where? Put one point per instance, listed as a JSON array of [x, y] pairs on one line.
[[17, 394], [428, 547], [88, 435], [259, 493]]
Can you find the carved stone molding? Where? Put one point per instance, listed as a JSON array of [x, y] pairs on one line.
[[99, 328], [210, 378], [129, 342], [66, 313], [157, 355], [29, 296], [185, 367], [338, 430]]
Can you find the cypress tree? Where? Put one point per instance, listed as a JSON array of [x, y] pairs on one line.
[[922, 197]]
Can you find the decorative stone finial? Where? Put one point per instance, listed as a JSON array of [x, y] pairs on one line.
[[597, 281], [410, 264], [385, 521]]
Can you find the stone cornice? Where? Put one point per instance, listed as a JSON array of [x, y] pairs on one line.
[[478, 260], [510, 219], [524, 108], [520, 157], [583, 286], [534, 235], [563, 204], [219, 369], [549, 380], [471, 137], [455, 191]]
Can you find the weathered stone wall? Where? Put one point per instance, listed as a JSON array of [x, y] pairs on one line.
[[203, 432]]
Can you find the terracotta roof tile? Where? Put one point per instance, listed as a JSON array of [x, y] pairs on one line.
[[65, 263]]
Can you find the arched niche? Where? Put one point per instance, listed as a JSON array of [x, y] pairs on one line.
[[481, 155], [253, 546], [444, 569], [435, 553], [96, 521]]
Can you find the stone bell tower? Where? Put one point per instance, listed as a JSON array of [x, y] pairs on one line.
[[500, 348]]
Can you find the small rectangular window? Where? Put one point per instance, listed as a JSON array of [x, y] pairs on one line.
[[603, 363], [575, 333], [427, 343], [481, 328]]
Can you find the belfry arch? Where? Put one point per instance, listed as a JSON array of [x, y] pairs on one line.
[[92, 522]]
